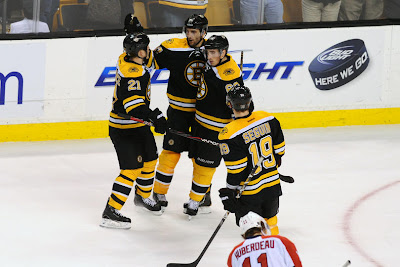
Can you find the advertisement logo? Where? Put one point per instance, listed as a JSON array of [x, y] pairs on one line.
[[3, 82], [339, 64], [251, 72]]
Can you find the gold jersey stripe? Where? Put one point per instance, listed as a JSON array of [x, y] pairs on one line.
[[212, 118], [262, 177], [125, 126], [237, 162], [210, 127], [181, 108], [132, 98], [255, 191], [279, 145], [134, 106], [115, 116], [181, 99], [236, 170]]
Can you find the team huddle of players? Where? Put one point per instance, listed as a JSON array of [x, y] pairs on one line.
[[208, 99]]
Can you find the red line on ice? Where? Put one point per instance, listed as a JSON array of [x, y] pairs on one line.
[[348, 217]]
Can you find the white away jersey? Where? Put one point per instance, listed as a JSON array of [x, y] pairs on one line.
[[265, 251]]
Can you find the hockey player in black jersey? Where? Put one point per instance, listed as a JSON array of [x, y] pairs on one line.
[[134, 142], [212, 115], [185, 60], [243, 141]]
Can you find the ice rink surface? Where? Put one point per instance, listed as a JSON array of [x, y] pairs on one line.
[[344, 204]]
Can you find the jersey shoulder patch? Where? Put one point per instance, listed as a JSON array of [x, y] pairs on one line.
[[129, 69], [228, 71], [229, 130], [239, 126], [175, 43]]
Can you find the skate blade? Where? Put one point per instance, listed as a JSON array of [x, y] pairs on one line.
[[157, 212], [204, 210], [189, 216], [107, 223]]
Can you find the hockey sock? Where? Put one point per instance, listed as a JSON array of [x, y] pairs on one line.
[[273, 225], [201, 182], [122, 187], [144, 182], [165, 171]]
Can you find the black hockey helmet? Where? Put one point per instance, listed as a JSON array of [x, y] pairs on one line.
[[196, 21], [217, 42], [133, 43], [239, 98]]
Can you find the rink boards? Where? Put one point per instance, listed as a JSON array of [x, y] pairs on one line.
[[62, 88]]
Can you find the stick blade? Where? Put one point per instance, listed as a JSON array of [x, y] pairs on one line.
[[286, 179]]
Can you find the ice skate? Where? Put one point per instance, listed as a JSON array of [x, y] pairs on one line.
[[112, 218], [161, 199], [191, 208], [148, 204], [205, 204]]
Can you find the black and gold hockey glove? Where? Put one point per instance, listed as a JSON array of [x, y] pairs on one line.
[[158, 120], [228, 198], [132, 24]]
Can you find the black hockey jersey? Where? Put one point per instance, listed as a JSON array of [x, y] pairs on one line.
[[186, 65], [131, 94], [211, 109], [242, 142]]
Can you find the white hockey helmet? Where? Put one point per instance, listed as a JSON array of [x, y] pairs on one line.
[[251, 220]]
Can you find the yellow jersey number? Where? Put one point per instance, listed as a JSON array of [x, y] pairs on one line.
[[229, 86], [265, 149]]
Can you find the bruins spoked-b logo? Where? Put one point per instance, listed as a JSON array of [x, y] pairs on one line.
[[229, 71], [193, 72], [202, 90], [148, 91]]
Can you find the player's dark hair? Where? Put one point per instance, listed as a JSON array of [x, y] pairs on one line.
[[252, 232]]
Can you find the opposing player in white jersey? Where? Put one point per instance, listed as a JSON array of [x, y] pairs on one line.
[[262, 250]]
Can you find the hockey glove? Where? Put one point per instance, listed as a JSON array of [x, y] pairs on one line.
[[132, 24], [228, 198], [158, 120]]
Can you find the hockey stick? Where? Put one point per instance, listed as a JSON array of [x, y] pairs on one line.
[[196, 262], [241, 61], [195, 138], [284, 178], [239, 50], [126, 116]]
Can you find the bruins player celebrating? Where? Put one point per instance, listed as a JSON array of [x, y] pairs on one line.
[[243, 141], [185, 60], [133, 141], [212, 114]]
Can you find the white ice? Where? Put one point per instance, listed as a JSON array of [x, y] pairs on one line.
[[53, 194]]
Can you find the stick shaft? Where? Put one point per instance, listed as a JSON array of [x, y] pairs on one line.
[[249, 178], [241, 60]]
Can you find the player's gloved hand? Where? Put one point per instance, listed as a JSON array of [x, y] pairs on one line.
[[158, 120], [228, 198], [132, 24]]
